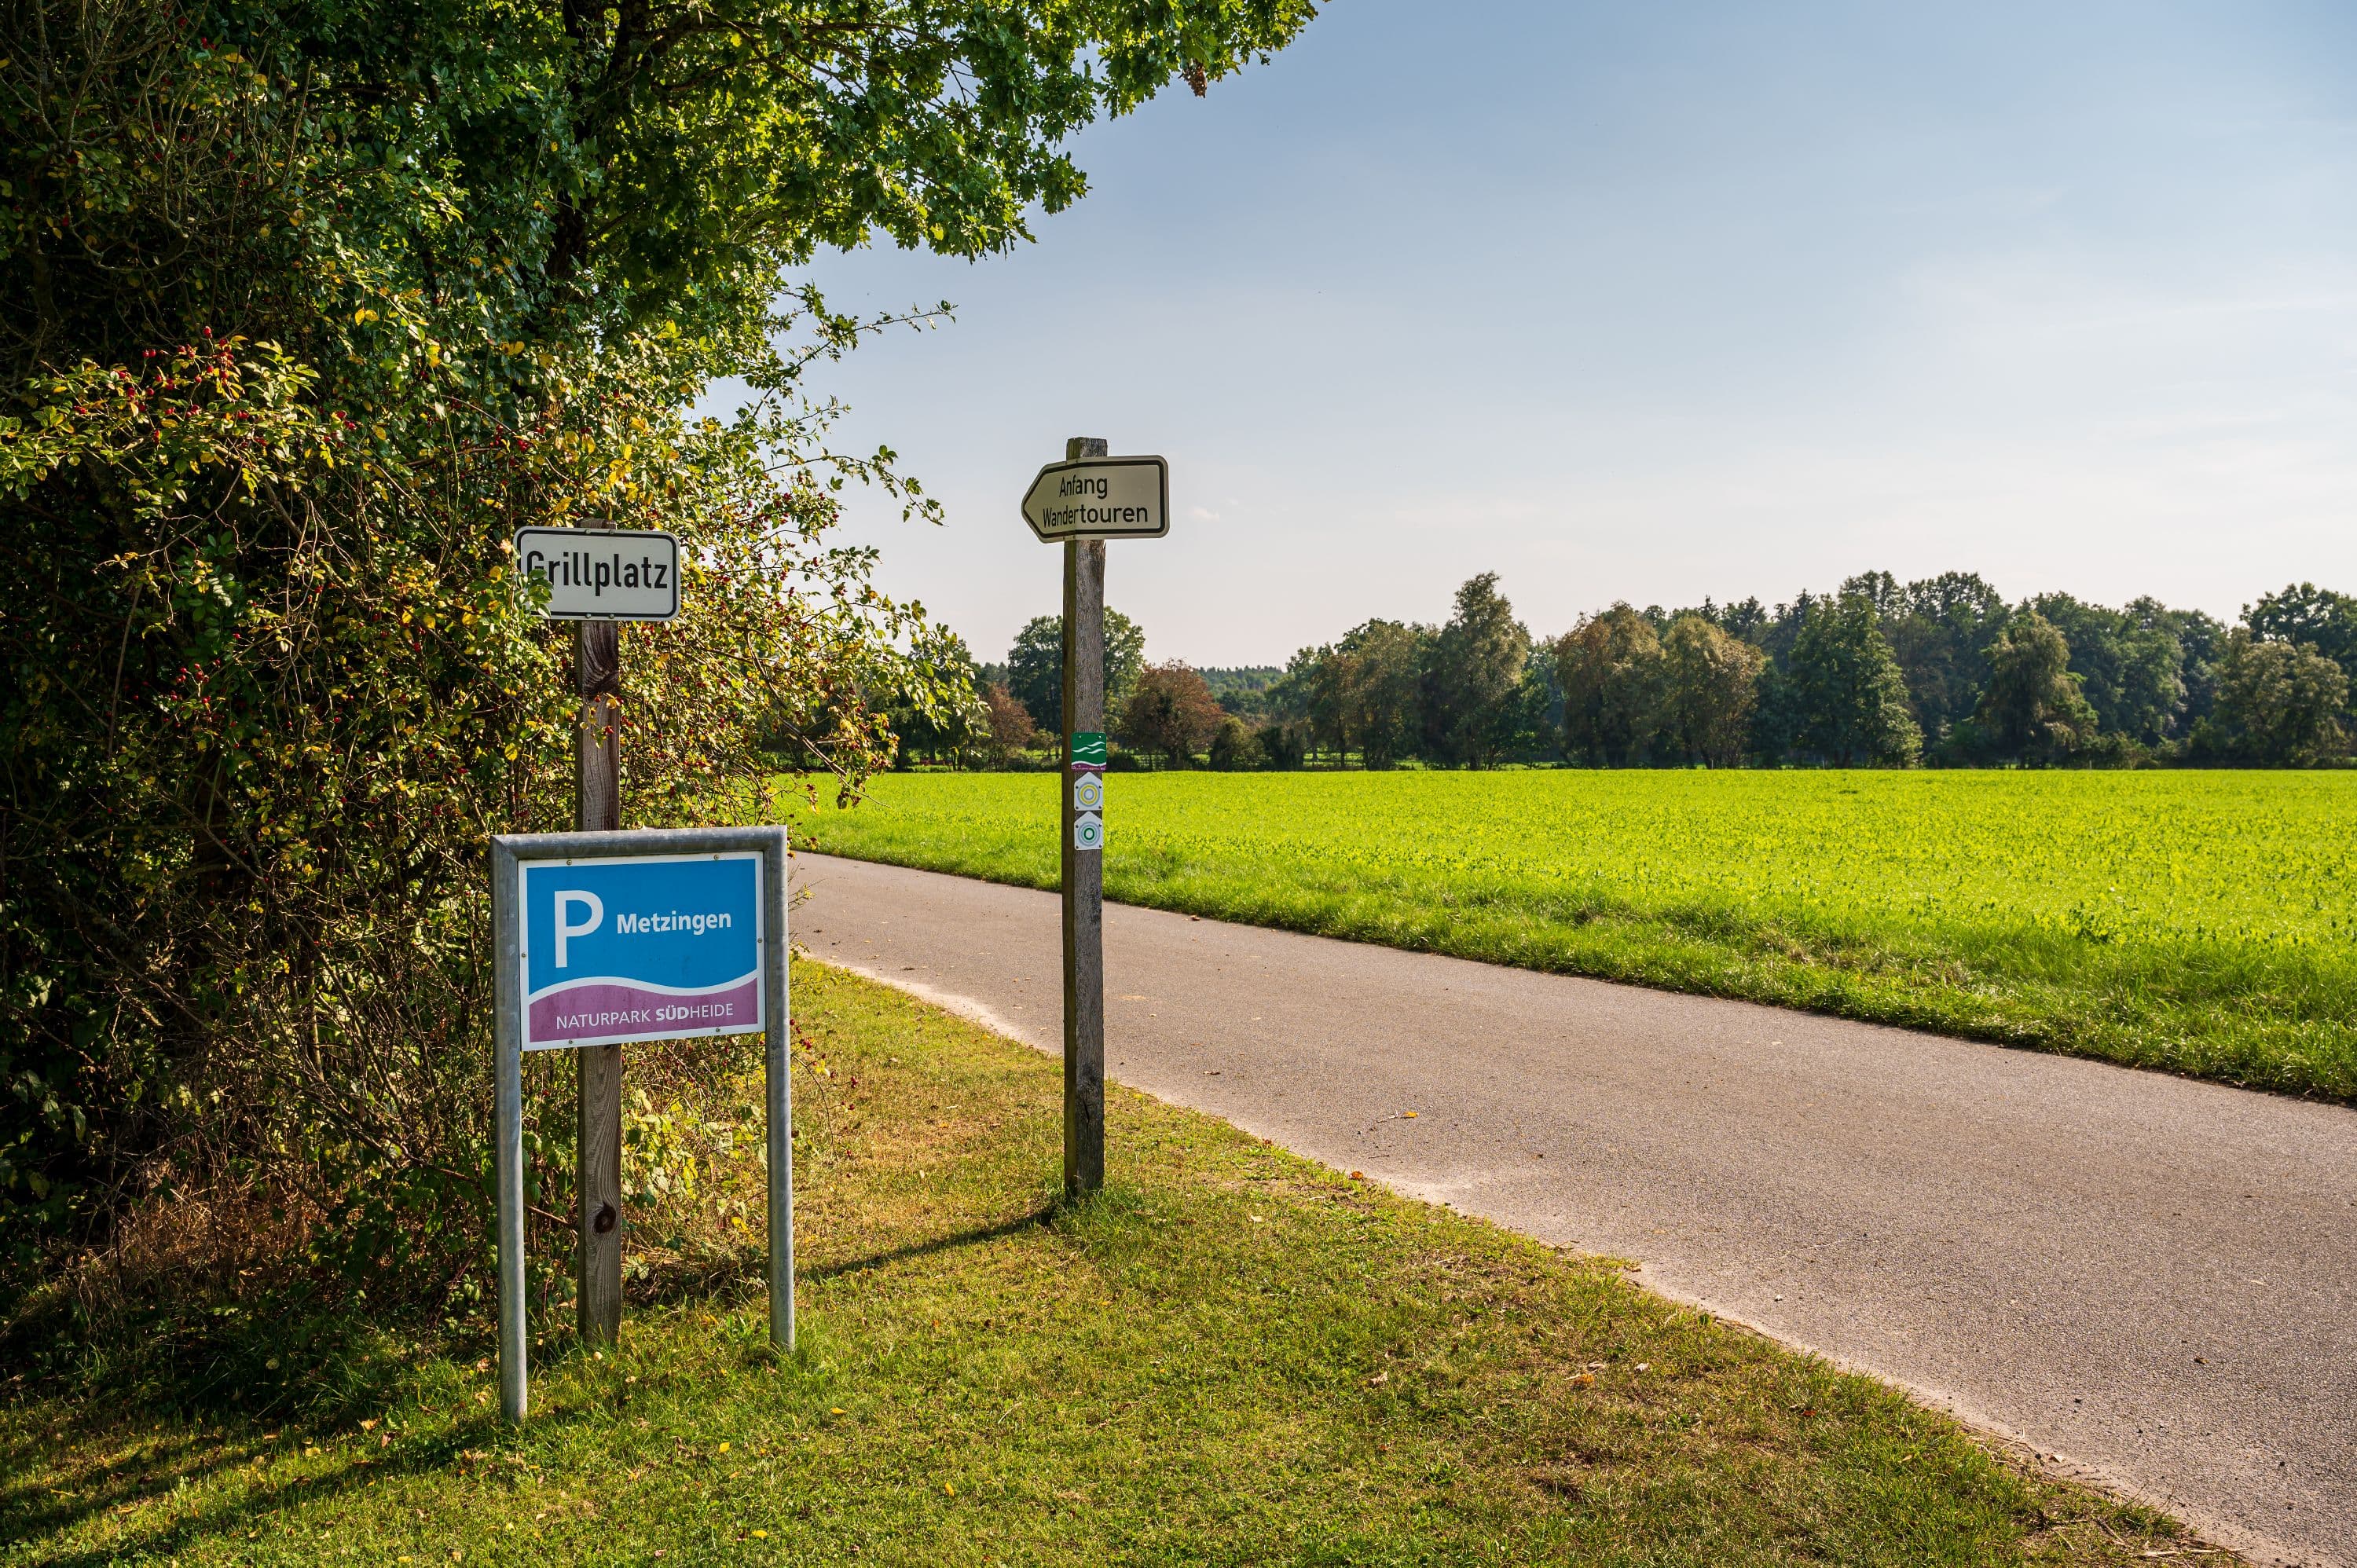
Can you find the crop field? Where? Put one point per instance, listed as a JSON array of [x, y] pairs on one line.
[[2201, 922]]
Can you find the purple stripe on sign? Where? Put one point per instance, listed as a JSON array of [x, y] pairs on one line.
[[604, 1011]]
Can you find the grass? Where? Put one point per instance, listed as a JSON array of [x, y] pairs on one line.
[[1229, 1357], [2198, 922]]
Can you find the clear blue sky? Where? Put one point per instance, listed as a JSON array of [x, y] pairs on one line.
[[1655, 302]]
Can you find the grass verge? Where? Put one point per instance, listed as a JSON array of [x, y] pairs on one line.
[[1229, 1357]]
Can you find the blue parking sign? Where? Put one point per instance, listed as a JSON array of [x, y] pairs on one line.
[[641, 947]]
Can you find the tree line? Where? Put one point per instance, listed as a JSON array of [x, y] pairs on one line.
[[1941, 671]]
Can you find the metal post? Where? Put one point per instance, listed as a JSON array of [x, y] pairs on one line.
[[506, 1132], [598, 1185], [1085, 700], [781, 1100]]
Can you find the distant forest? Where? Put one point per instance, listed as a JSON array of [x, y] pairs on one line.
[[1942, 671]]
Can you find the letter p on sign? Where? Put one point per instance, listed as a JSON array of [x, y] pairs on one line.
[[565, 929]]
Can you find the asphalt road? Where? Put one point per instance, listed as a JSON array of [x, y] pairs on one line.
[[2150, 1282]]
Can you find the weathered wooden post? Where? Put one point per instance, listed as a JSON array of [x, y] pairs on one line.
[[1084, 858], [1079, 503], [598, 681]]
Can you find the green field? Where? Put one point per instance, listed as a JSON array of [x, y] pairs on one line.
[[2202, 922], [1231, 1356]]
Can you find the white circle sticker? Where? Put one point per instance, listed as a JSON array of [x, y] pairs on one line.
[[1088, 832], [1088, 793]]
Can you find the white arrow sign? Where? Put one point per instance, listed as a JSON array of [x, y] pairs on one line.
[[1100, 497]]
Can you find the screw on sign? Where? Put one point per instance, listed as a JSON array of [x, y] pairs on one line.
[[1079, 503]]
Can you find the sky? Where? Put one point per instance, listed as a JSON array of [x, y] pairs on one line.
[[1659, 302]]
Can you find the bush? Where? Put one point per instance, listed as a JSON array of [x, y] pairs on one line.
[[305, 310], [1282, 745], [1235, 748], [275, 677]]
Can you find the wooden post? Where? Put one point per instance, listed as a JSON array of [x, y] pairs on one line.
[[597, 678], [1084, 703]]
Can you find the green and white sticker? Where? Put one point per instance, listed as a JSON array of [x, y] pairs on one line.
[[1088, 832], [1088, 749]]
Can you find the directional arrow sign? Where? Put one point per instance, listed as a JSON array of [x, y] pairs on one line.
[[1100, 497]]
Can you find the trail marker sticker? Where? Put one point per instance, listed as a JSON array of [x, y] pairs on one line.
[[1088, 832], [1088, 751], [641, 947], [1087, 792], [1100, 497], [602, 574]]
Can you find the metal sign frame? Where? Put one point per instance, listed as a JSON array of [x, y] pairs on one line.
[[509, 854]]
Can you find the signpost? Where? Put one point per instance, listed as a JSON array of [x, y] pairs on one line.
[[602, 937], [1079, 503], [598, 576]]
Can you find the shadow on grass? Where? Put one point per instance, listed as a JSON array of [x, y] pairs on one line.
[[286, 1354], [278, 1360], [1000, 1231], [670, 1281], [25, 1517]]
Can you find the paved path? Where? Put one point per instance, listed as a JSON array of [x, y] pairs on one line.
[[2151, 1281]]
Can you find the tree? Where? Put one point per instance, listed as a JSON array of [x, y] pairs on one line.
[[1171, 711], [1847, 694], [1236, 748], [1308, 698], [2033, 708], [1035, 671], [1379, 668], [1939, 635], [1711, 681], [2201, 643], [1747, 620], [1612, 673], [2312, 616], [1283, 742], [1242, 690], [1474, 664], [303, 309], [1012, 730], [1532, 723], [1035, 666], [1776, 715], [939, 714], [2131, 670], [1881, 590], [2278, 703]]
